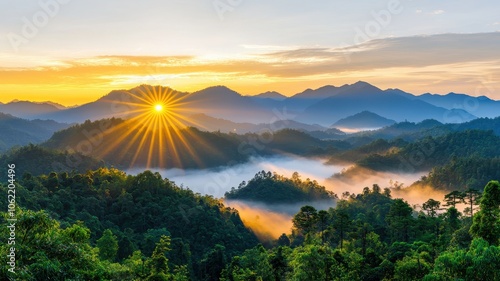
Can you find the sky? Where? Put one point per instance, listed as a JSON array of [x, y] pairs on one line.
[[75, 51]]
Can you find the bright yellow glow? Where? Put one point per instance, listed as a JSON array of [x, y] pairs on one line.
[[159, 108], [87, 79], [155, 133]]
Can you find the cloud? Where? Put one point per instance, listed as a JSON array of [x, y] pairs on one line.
[[437, 12], [269, 221], [417, 51], [391, 62]]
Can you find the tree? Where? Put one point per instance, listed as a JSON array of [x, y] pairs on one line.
[[479, 262], [159, 261], [108, 245], [283, 240], [322, 223], [399, 220], [278, 260], [45, 251], [305, 219], [486, 222], [452, 219], [431, 206], [254, 264], [471, 198], [52, 182], [311, 262], [341, 223], [387, 192], [453, 198], [213, 263], [411, 268]]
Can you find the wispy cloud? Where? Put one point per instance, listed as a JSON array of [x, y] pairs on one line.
[[437, 12]]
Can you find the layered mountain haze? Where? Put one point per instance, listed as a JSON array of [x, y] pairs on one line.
[[16, 131], [323, 106], [362, 96], [30, 110], [481, 106], [211, 124]]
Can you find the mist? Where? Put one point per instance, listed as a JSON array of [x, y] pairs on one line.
[[268, 222], [355, 178], [218, 181]]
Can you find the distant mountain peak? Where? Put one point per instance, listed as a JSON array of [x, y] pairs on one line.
[[364, 85], [321, 92], [329, 87], [118, 95], [57, 105], [271, 95], [363, 120], [218, 91]]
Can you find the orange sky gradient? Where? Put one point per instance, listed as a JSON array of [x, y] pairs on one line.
[[78, 81], [74, 52]]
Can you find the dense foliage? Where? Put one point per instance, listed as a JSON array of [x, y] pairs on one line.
[[79, 220], [456, 161], [130, 213], [378, 147], [38, 160], [410, 131], [104, 225], [462, 173], [272, 188], [371, 236], [430, 152]]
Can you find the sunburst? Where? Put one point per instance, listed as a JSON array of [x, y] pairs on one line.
[[157, 118], [158, 107]]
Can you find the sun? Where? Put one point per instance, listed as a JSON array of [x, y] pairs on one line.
[[156, 132], [158, 108]]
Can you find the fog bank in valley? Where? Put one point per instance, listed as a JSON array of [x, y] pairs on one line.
[[270, 221], [216, 182]]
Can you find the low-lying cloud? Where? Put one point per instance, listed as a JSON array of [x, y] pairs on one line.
[[270, 221], [216, 182]]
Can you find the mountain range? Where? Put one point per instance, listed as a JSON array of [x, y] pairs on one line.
[[17, 131], [323, 106]]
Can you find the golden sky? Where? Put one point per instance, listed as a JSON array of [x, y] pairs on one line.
[[81, 50], [413, 64]]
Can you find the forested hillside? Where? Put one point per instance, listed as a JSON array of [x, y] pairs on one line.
[[121, 143], [105, 225], [457, 160], [132, 213], [371, 236], [272, 188], [37, 160]]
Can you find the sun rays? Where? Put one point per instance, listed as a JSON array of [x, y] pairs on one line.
[[154, 132]]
